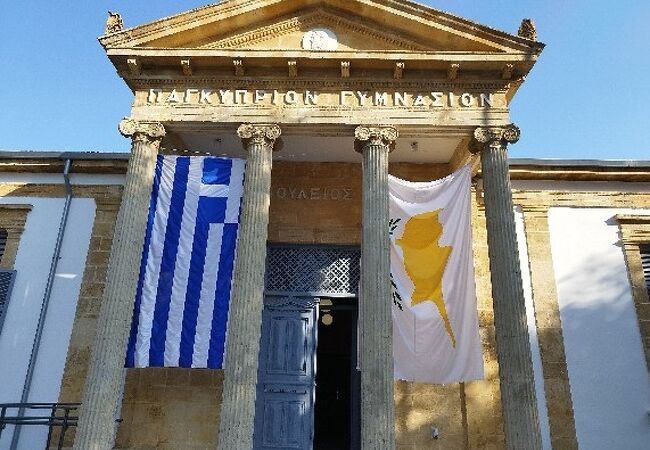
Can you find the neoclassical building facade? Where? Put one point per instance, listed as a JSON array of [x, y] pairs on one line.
[[324, 99]]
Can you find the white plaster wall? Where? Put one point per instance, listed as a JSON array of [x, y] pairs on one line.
[[609, 380], [542, 409], [86, 179], [33, 264]]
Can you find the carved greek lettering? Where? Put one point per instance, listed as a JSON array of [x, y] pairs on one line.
[[154, 95], [362, 96], [259, 96], [419, 101], [466, 100], [486, 100], [291, 98], [205, 97], [174, 97], [399, 98], [437, 99], [189, 93], [381, 98], [311, 98], [222, 95], [344, 95], [241, 97], [314, 193]]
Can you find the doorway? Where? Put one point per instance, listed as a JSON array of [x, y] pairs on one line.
[[337, 408], [308, 389]]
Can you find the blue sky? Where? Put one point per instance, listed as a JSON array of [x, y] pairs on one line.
[[588, 96]]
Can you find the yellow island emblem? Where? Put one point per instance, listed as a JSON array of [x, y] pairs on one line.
[[425, 262]]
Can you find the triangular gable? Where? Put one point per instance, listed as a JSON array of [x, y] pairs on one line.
[[368, 25], [288, 33]]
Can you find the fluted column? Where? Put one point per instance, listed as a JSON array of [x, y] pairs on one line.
[[376, 325], [103, 387], [245, 316], [521, 421]]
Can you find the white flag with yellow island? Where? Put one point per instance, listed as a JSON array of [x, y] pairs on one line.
[[435, 321]]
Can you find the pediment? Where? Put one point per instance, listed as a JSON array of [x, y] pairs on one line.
[[359, 25], [289, 33]]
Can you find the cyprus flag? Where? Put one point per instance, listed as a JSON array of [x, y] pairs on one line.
[[435, 323]]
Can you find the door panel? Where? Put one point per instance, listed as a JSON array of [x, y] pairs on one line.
[[284, 416]]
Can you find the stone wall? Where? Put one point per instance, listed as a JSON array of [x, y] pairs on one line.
[[321, 203]]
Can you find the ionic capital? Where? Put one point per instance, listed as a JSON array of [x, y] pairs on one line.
[[494, 136], [150, 132], [375, 135], [264, 134]]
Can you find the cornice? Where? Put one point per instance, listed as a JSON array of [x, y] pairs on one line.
[[322, 85], [633, 219], [498, 40]]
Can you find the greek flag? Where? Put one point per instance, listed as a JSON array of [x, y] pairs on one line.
[[181, 306]]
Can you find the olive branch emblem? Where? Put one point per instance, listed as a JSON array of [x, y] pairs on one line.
[[395, 295]]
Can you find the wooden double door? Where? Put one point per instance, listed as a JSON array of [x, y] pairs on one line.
[[286, 384], [298, 408]]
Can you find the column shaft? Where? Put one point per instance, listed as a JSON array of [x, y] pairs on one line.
[[103, 387], [377, 373], [513, 346], [245, 316]]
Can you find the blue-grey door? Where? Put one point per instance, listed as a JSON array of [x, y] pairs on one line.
[[284, 416]]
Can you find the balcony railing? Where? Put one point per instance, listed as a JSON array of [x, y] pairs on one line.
[[55, 416]]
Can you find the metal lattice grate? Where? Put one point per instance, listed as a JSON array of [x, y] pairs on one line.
[[325, 270], [6, 283], [645, 262]]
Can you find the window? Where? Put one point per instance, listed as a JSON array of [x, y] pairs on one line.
[[6, 280], [645, 263], [3, 242]]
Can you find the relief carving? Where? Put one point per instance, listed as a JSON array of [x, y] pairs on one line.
[[494, 136], [528, 30], [320, 19], [151, 132], [114, 23], [375, 135], [259, 134]]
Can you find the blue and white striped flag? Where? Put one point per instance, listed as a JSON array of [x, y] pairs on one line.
[[181, 305]]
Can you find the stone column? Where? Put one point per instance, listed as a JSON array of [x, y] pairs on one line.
[[245, 317], [521, 421], [376, 324], [96, 430]]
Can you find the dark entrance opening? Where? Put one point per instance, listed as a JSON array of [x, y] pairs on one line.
[[337, 408]]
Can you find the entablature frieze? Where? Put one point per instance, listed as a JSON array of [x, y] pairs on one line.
[[493, 86]]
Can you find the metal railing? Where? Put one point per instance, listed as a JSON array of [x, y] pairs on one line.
[[52, 415]]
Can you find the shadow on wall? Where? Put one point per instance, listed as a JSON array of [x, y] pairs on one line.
[[466, 416], [604, 349]]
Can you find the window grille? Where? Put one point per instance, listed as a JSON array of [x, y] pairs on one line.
[[6, 284], [313, 269], [645, 262]]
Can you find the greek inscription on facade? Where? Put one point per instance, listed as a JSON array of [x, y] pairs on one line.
[[314, 193], [308, 98]]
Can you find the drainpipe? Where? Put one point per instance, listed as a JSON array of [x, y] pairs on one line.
[[46, 299]]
